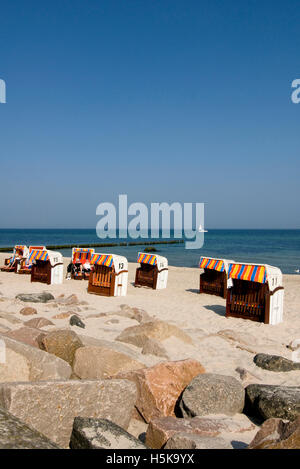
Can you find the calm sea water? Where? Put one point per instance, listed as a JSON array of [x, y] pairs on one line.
[[275, 247]]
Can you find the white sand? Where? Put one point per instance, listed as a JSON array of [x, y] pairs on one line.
[[201, 316]]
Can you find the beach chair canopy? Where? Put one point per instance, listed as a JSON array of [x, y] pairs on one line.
[[82, 255], [261, 273], [152, 259], [221, 265], [37, 248], [110, 260], [43, 255]]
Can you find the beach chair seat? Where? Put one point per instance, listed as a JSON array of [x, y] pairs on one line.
[[152, 272], [47, 268], [255, 293], [26, 264], [109, 275], [80, 256], [213, 281]]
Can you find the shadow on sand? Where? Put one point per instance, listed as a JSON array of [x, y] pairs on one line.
[[218, 309]]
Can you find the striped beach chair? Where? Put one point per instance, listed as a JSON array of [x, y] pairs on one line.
[[213, 281], [255, 292], [152, 272], [26, 264]]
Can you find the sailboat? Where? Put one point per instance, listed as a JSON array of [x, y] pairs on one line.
[[201, 230]]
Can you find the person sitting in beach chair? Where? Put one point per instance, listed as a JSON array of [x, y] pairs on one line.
[[12, 263], [81, 262], [26, 263]]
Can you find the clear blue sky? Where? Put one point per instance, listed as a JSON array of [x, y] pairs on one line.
[[165, 100]]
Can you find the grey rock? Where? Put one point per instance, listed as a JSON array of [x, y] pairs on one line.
[[269, 401], [192, 441], [210, 393], [15, 434], [51, 406], [76, 321], [275, 363], [43, 297], [91, 433]]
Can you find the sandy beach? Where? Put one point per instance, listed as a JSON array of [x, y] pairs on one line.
[[202, 317]]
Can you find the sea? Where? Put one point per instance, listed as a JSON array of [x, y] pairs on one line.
[[280, 248]]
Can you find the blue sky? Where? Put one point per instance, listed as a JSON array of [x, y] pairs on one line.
[[165, 101]]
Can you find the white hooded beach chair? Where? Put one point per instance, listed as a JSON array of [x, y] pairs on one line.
[[255, 292], [109, 276], [153, 271], [213, 280], [47, 267]]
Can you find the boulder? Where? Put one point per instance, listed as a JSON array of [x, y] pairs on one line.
[[268, 401], [212, 394], [27, 335], [155, 329], [38, 323], [160, 386], [42, 365], [15, 367], [43, 297], [51, 406], [277, 434], [15, 434], [138, 314], [275, 363], [153, 347], [193, 441], [97, 362], [62, 343], [160, 430], [28, 311], [91, 433]]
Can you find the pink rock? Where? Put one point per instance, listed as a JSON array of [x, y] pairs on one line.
[[160, 386]]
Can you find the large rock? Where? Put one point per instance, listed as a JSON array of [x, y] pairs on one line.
[[42, 365], [275, 363], [268, 401], [160, 386], [102, 362], [15, 368], [153, 347], [28, 311], [138, 314], [193, 441], [90, 433], [38, 323], [162, 429], [277, 434], [51, 406], [62, 343], [43, 297], [158, 330], [212, 394], [15, 434], [27, 335]]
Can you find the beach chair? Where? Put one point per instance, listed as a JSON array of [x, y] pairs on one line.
[[213, 280], [255, 292], [80, 256], [47, 267], [109, 276], [12, 264], [26, 264], [153, 271]]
